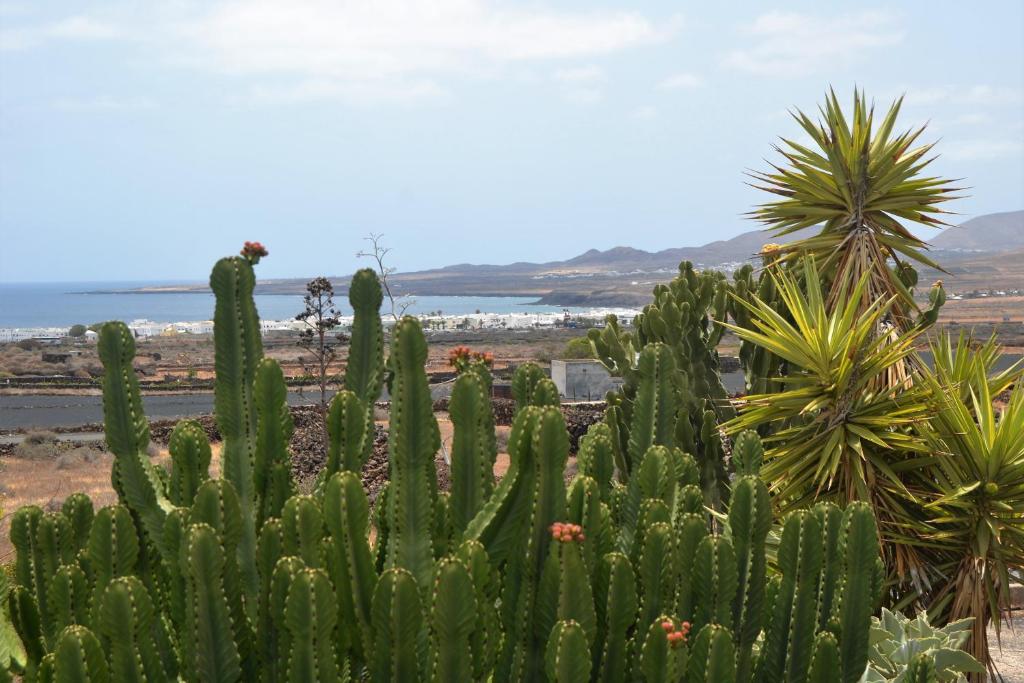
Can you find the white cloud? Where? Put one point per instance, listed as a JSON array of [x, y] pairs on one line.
[[981, 94], [104, 103], [584, 95], [680, 81], [289, 50], [82, 28], [368, 39], [975, 119], [580, 74], [645, 113], [982, 149], [76, 28], [581, 84], [791, 44], [312, 90]]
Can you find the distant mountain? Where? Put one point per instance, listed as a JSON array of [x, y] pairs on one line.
[[623, 276], [991, 232]]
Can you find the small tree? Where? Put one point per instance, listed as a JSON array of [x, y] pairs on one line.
[[76, 330], [399, 302], [320, 317]]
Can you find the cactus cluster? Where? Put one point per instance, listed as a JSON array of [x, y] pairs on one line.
[[619, 575]]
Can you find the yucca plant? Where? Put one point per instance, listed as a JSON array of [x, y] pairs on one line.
[[835, 434], [978, 512], [861, 184], [957, 364]]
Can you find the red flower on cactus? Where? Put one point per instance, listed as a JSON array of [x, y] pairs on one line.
[[563, 532], [254, 251], [461, 357], [674, 635]]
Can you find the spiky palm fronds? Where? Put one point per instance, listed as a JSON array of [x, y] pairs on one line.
[[860, 183], [978, 511], [838, 436]]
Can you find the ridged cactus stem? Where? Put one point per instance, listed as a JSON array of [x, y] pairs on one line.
[[347, 426], [399, 636], [237, 351], [749, 524], [346, 513], [616, 605], [127, 432], [654, 408], [190, 461], [272, 469], [787, 649], [364, 373], [208, 647], [473, 449], [414, 439], [452, 620], [364, 370]]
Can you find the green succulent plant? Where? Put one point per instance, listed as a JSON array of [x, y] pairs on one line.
[[897, 642]]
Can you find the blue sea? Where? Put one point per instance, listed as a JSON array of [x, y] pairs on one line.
[[68, 303]]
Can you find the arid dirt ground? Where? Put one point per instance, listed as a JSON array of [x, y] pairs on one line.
[[47, 482], [1010, 660]]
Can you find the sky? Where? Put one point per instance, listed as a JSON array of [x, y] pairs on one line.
[[143, 140]]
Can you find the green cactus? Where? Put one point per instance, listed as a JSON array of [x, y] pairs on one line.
[[127, 431], [310, 616], [78, 658], [349, 560], [528, 387], [564, 592], [616, 606], [414, 439], [364, 372], [210, 650], [69, 597], [194, 578], [568, 658], [238, 349], [747, 453], [749, 524], [662, 660], [711, 656], [79, 510], [272, 470], [473, 448], [347, 426], [715, 582], [399, 637], [825, 666], [789, 636], [127, 621], [190, 462], [596, 457], [452, 621]]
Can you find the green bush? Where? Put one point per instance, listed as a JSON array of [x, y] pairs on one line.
[[578, 348]]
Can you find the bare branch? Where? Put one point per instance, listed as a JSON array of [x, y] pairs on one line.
[[400, 303]]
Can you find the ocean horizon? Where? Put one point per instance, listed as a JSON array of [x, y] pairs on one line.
[[59, 304]]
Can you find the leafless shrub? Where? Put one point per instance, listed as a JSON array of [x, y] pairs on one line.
[[37, 437], [79, 455], [37, 451]]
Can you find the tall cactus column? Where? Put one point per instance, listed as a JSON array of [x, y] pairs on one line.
[[414, 439], [238, 349]]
